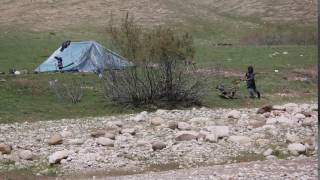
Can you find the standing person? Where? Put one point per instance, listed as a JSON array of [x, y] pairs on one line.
[[251, 85]]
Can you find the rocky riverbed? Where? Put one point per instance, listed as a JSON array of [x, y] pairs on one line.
[[161, 140]]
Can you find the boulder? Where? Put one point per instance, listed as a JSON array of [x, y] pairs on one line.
[[235, 114], [110, 136], [55, 139], [140, 117], [156, 121], [66, 134], [58, 156], [241, 140], [173, 125], [292, 138], [97, 133], [300, 116], [26, 155], [131, 131], [186, 135], [296, 148], [105, 141], [5, 148], [118, 123], [184, 126], [219, 131], [211, 138], [268, 152], [158, 145]]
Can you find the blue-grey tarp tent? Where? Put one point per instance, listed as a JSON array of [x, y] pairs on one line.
[[86, 56]]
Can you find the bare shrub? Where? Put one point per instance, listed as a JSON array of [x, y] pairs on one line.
[[161, 74], [70, 91]]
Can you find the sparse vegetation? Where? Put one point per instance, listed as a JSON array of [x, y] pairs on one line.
[[162, 72]]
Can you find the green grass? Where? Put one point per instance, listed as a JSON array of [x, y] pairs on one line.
[[29, 98]]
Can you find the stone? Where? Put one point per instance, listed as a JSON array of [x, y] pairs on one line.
[[186, 135], [241, 140], [268, 152], [158, 145], [118, 123], [235, 114], [58, 156], [265, 109], [292, 138], [271, 157], [219, 131], [66, 134], [184, 126], [26, 155], [156, 121], [173, 125], [211, 138], [55, 139], [131, 131], [5, 148], [296, 148], [110, 136], [271, 121], [300, 116], [76, 141], [140, 117], [284, 120], [105, 141], [97, 133]]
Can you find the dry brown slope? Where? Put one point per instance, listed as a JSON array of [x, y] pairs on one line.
[[60, 14]]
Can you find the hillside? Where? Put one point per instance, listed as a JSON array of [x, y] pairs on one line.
[[42, 15]]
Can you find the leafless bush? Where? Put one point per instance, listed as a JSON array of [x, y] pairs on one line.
[[70, 91], [161, 75]]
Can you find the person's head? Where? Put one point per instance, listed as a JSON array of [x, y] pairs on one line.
[[250, 69]]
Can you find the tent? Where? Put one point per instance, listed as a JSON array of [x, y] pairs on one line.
[[86, 56]]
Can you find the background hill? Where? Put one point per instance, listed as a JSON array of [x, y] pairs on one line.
[[41, 15]]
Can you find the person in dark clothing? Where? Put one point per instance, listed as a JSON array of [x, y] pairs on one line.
[[251, 85], [65, 45], [59, 59]]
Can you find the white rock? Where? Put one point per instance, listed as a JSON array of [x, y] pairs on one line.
[[296, 148], [131, 131], [66, 134], [300, 116], [58, 156], [268, 152], [284, 120], [219, 131], [26, 155], [271, 157], [271, 121], [241, 140], [161, 111], [156, 121], [55, 139], [184, 126], [211, 138], [140, 117], [234, 114], [105, 141], [292, 138]]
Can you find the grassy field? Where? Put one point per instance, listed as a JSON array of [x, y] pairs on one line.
[[29, 98], [25, 44]]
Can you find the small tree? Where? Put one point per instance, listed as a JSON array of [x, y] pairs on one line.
[[161, 73]]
